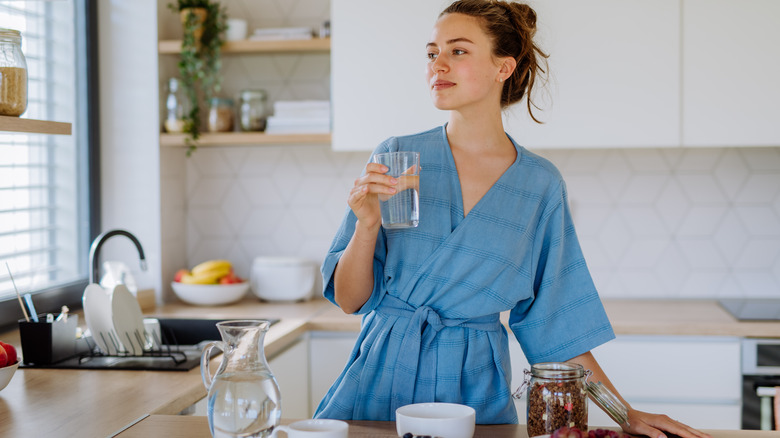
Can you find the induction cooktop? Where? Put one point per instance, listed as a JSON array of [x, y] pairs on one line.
[[753, 309]]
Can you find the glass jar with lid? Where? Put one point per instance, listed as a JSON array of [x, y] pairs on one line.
[[221, 115], [13, 74], [176, 107], [252, 110], [557, 397]]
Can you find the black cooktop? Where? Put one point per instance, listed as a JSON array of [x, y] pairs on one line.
[[753, 309]]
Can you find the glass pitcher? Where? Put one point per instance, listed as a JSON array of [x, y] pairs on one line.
[[243, 398]]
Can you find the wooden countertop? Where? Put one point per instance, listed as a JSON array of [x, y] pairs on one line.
[[178, 426], [98, 403]]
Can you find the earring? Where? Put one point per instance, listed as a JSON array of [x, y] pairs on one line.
[[500, 79]]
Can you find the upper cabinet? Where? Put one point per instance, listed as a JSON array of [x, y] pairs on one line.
[[613, 75], [645, 73], [731, 90], [378, 64]]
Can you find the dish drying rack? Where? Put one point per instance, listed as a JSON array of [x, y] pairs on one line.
[[178, 347], [154, 347]]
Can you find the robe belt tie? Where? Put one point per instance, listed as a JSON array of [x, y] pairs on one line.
[[411, 368]]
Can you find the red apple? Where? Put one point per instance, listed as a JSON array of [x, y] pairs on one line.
[[230, 279], [179, 274], [3, 357], [10, 351]]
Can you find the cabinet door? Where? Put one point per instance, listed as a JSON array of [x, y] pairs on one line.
[[378, 64], [290, 367], [614, 75], [614, 65], [329, 352], [731, 91]]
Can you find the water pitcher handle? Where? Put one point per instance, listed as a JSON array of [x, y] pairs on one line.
[[205, 357]]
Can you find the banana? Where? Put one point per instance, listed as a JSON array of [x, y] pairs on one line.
[[211, 265], [208, 277]]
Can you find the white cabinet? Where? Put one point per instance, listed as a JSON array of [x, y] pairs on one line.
[[290, 367], [696, 380], [329, 352], [378, 64], [614, 64], [731, 91], [614, 75]]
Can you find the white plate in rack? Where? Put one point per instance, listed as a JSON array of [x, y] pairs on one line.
[[128, 321], [97, 313]]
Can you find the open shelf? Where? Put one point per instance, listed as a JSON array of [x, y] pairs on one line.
[[245, 138], [172, 47], [33, 126]]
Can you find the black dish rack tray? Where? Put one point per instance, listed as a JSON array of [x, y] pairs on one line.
[[179, 349]]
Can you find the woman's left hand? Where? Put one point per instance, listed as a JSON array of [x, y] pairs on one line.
[[654, 426]]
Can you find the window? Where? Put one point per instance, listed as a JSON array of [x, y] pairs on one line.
[[47, 201]]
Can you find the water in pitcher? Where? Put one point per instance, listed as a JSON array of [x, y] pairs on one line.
[[242, 405]]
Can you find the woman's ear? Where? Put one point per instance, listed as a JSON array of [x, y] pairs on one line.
[[508, 66]]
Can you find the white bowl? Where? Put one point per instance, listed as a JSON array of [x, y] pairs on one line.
[[7, 372], [210, 294], [282, 278], [448, 420]]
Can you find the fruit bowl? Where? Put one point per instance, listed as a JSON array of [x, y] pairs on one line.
[[210, 294], [6, 373]]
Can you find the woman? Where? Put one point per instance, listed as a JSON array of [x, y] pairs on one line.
[[495, 234]]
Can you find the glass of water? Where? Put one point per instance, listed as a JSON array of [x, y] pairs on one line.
[[402, 209]]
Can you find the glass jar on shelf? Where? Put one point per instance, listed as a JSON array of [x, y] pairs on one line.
[[13, 74], [252, 110], [175, 107], [220, 115]]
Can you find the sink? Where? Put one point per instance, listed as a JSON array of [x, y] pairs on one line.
[[191, 331]]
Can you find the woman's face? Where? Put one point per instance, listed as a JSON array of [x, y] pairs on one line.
[[462, 71]]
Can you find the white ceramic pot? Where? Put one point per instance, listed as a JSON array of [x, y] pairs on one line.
[[282, 278]]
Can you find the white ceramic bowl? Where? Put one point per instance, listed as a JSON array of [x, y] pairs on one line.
[[282, 278], [447, 420], [7, 372], [210, 294]]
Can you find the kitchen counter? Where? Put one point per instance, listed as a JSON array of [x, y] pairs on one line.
[[198, 427], [98, 403]]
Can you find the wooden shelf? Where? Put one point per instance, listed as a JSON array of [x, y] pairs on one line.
[[173, 47], [18, 124], [245, 138]]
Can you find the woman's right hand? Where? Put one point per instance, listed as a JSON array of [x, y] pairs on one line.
[[364, 196]]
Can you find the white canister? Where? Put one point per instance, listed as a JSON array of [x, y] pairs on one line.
[[236, 29], [282, 278]]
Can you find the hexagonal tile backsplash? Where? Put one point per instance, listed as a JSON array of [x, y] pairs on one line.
[[675, 223], [653, 223]]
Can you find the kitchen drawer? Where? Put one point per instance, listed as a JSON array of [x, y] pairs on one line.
[[688, 369]]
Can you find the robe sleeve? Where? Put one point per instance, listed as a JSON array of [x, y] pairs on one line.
[[565, 316], [343, 236]]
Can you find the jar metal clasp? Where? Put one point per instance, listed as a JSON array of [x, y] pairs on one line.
[[518, 394]]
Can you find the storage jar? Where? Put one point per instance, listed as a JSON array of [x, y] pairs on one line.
[[13, 74], [252, 114], [221, 115], [557, 397]]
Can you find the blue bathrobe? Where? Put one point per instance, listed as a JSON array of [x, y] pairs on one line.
[[430, 328]]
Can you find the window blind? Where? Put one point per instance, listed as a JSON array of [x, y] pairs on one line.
[[41, 195]]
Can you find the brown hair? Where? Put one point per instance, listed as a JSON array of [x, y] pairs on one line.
[[511, 26]]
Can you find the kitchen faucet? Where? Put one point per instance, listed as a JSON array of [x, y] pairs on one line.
[[94, 251]]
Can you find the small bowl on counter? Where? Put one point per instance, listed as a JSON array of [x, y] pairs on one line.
[[449, 420], [282, 278], [6, 373], [210, 294]]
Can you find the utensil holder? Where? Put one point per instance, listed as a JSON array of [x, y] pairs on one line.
[[48, 342]]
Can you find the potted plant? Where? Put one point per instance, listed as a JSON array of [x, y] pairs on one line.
[[204, 23]]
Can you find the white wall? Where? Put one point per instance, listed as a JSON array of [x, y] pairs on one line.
[[129, 138]]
